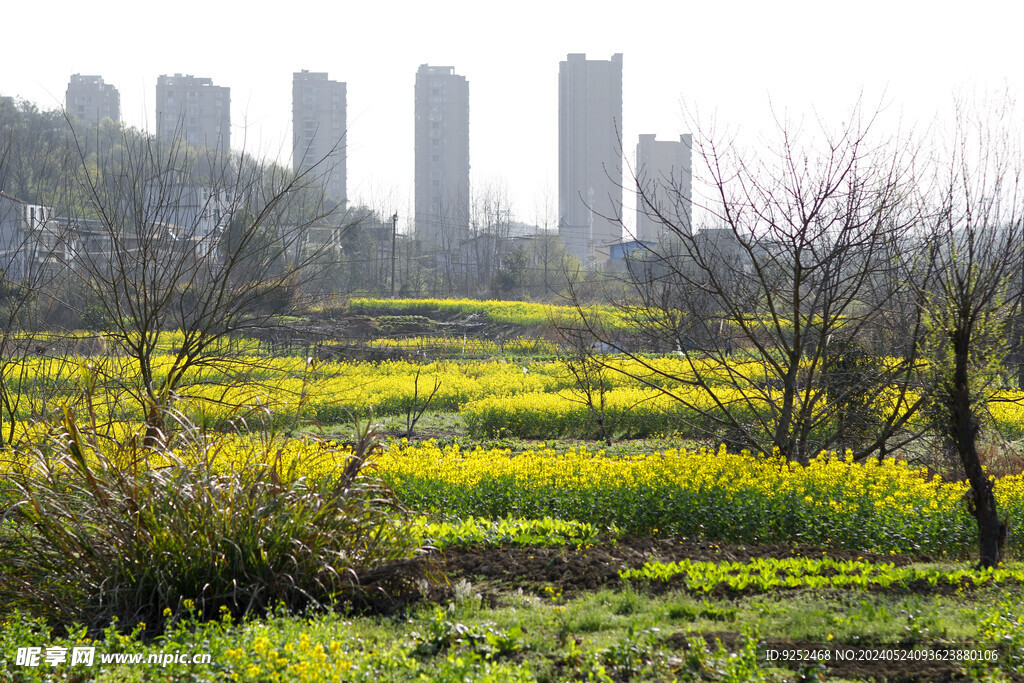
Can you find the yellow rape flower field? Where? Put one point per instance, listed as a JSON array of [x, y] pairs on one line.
[[883, 506], [535, 399], [560, 559]]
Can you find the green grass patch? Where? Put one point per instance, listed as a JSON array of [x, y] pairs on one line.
[[603, 636]]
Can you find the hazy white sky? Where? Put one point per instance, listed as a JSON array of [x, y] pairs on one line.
[[726, 58]]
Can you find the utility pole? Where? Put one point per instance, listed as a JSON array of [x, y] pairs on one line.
[[394, 254]]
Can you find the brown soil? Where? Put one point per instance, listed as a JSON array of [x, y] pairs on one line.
[[571, 569]]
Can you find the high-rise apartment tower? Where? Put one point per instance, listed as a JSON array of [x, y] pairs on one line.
[[194, 110], [92, 100], [442, 157], [664, 186], [318, 130], [589, 155]]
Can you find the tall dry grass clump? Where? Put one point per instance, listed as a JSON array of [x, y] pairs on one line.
[[91, 534]]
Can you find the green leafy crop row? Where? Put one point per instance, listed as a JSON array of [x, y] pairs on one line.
[[767, 574]]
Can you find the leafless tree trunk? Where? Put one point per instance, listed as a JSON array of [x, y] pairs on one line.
[[969, 289]]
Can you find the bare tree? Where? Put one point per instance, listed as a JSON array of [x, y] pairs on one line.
[[967, 281], [176, 239], [591, 382], [552, 266], [32, 258], [768, 304], [490, 232]]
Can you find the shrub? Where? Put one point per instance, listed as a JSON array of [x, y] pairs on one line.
[[132, 533]]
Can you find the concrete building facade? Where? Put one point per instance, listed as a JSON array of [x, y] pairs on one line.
[[442, 157], [589, 156], [664, 177], [194, 110], [30, 240], [318, 130], [91, 100]]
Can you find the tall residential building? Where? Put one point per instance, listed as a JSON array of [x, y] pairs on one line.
[[318, 130], [589, 155], [664, 187], [92, 100], [195, 110], [442, 157]]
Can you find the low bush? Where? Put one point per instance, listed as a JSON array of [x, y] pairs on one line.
[[140, 535]]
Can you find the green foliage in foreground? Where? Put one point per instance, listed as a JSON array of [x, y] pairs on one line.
[[434, 645], [603, 636]]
